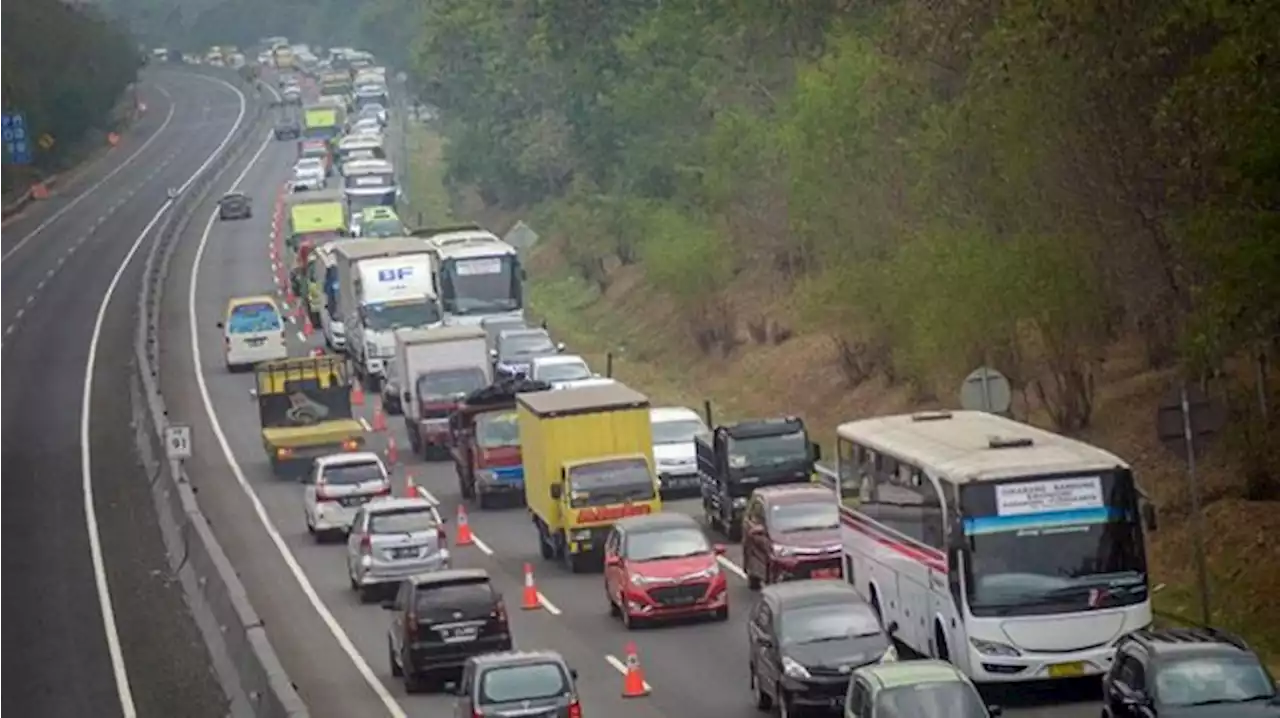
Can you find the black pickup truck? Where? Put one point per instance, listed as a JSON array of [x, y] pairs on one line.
[[736, 459]]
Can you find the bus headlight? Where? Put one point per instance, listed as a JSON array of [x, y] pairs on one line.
[[992, 648]]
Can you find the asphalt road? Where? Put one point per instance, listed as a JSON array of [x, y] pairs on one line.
[[60, 258], [335, 648]]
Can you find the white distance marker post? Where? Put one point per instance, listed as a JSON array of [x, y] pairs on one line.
[[177, 446]]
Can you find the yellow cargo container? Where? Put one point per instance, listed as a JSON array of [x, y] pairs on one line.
[[588, 461]]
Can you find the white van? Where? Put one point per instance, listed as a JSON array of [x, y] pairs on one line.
[[253, 332]]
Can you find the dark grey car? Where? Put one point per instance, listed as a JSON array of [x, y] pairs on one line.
[[288, 129], [536, 684], [515, 349], [235, 205]]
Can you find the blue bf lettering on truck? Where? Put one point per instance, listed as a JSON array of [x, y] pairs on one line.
[[394, 275]]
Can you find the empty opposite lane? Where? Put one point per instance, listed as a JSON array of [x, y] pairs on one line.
[[60, 658]]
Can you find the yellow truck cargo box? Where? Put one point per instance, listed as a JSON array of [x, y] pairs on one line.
[[588, 461]]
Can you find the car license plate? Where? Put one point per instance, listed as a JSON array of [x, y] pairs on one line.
[[462, 634], [355, 500], [836, 703], [405, 553], [1066, 670], [825, 573], [256, 341]]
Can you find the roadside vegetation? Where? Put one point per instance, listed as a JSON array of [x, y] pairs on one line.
[[68, 88]]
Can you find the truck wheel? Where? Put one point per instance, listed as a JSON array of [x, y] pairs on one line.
[[485, 501]]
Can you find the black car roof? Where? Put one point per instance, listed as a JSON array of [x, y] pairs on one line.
[[453, 575], [517, 658], [656, 522], [1189, 640], [810, 592]]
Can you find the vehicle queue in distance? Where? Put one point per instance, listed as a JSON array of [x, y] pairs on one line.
[[945, 549]]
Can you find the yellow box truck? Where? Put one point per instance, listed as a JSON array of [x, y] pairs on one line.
[[588, 461]]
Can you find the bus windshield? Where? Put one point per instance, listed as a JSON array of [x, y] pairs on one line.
[[1053, 545], [480, 285]]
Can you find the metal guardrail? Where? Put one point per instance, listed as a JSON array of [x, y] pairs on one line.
[[212, 587]]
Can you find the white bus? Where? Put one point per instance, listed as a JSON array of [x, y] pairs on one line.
[[1015, 553]]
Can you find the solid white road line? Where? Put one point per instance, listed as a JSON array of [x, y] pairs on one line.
[[326, 616], [621, 667], [733, 568], [94, 187], [127, 707]]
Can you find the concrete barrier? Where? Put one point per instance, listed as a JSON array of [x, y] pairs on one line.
[[247, 665]]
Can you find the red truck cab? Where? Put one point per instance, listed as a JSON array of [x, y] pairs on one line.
[[486, 444], [440, 394]]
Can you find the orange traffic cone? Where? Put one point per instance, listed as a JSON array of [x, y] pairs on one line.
[[464, 529], [530, 600], [393, 454], [307, 329], [379, 418], [633, 683], [410, 488], [357, 394]]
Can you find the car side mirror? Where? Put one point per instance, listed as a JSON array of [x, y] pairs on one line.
[[816, 450], [220, 325], [719, 549], [892, 628], [995, 711], [253, 393], [389, 605], [556, 492], [452, 688], [559, 346], [613, 560], [406, 397], [573, 673], [493, 354]]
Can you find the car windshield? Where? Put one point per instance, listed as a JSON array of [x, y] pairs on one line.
[[350, 474], [677, 431], [530, 681], [403, 521], [803, 516], [523, 344], [309, 164], [827, 622], [450, 383], [952, 699], [566, 371], [1205, 680], [666, 543], [497, 429], [253, 318], [453, 596], [768, 450], [1078, 547]]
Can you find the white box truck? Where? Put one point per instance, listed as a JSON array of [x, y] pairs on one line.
[[384, 285], [436, 368]]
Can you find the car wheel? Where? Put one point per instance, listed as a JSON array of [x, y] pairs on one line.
[[785, 707], [753, 581], [413, 681], [311, 528], [367, 594], [763, 701], [628, 622], [721, 614], [614, 611], [396, 672]]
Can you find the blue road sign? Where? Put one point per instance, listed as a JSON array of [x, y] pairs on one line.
[[13, 130]]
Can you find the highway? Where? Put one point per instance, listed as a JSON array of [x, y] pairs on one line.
[[96, 625], [335, 648]]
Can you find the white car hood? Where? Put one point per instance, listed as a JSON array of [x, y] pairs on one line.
[[675, 457]]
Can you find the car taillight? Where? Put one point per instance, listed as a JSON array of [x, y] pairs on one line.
[[411, 626], [500, 612], [366, 544], [322, 495], [350, 445], [284, 453], [442, 536], [575, 710], [475, 713], [385, 490]]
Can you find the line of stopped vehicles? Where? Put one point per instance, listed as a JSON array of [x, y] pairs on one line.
[[942, 551]]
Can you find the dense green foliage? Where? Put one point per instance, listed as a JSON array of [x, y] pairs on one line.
[[940, 182], [65, 67]]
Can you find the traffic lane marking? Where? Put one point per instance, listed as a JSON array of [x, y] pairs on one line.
[[362, 666], [124, 691], [94, 187]]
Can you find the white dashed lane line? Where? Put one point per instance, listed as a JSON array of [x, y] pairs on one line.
[[80, 241]]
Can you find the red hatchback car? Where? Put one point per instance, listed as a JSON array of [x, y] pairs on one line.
[[661, 566], [791, 532]]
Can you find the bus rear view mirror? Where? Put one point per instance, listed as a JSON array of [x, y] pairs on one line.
[[556, 492]]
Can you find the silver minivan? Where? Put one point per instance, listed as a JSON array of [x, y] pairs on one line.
[[392, 539]]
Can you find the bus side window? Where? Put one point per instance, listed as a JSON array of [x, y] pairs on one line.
[[847, 471]]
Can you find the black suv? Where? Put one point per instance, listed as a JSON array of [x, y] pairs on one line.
[[1187, 673], [288, 128], [440, 620], [529, 683]]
